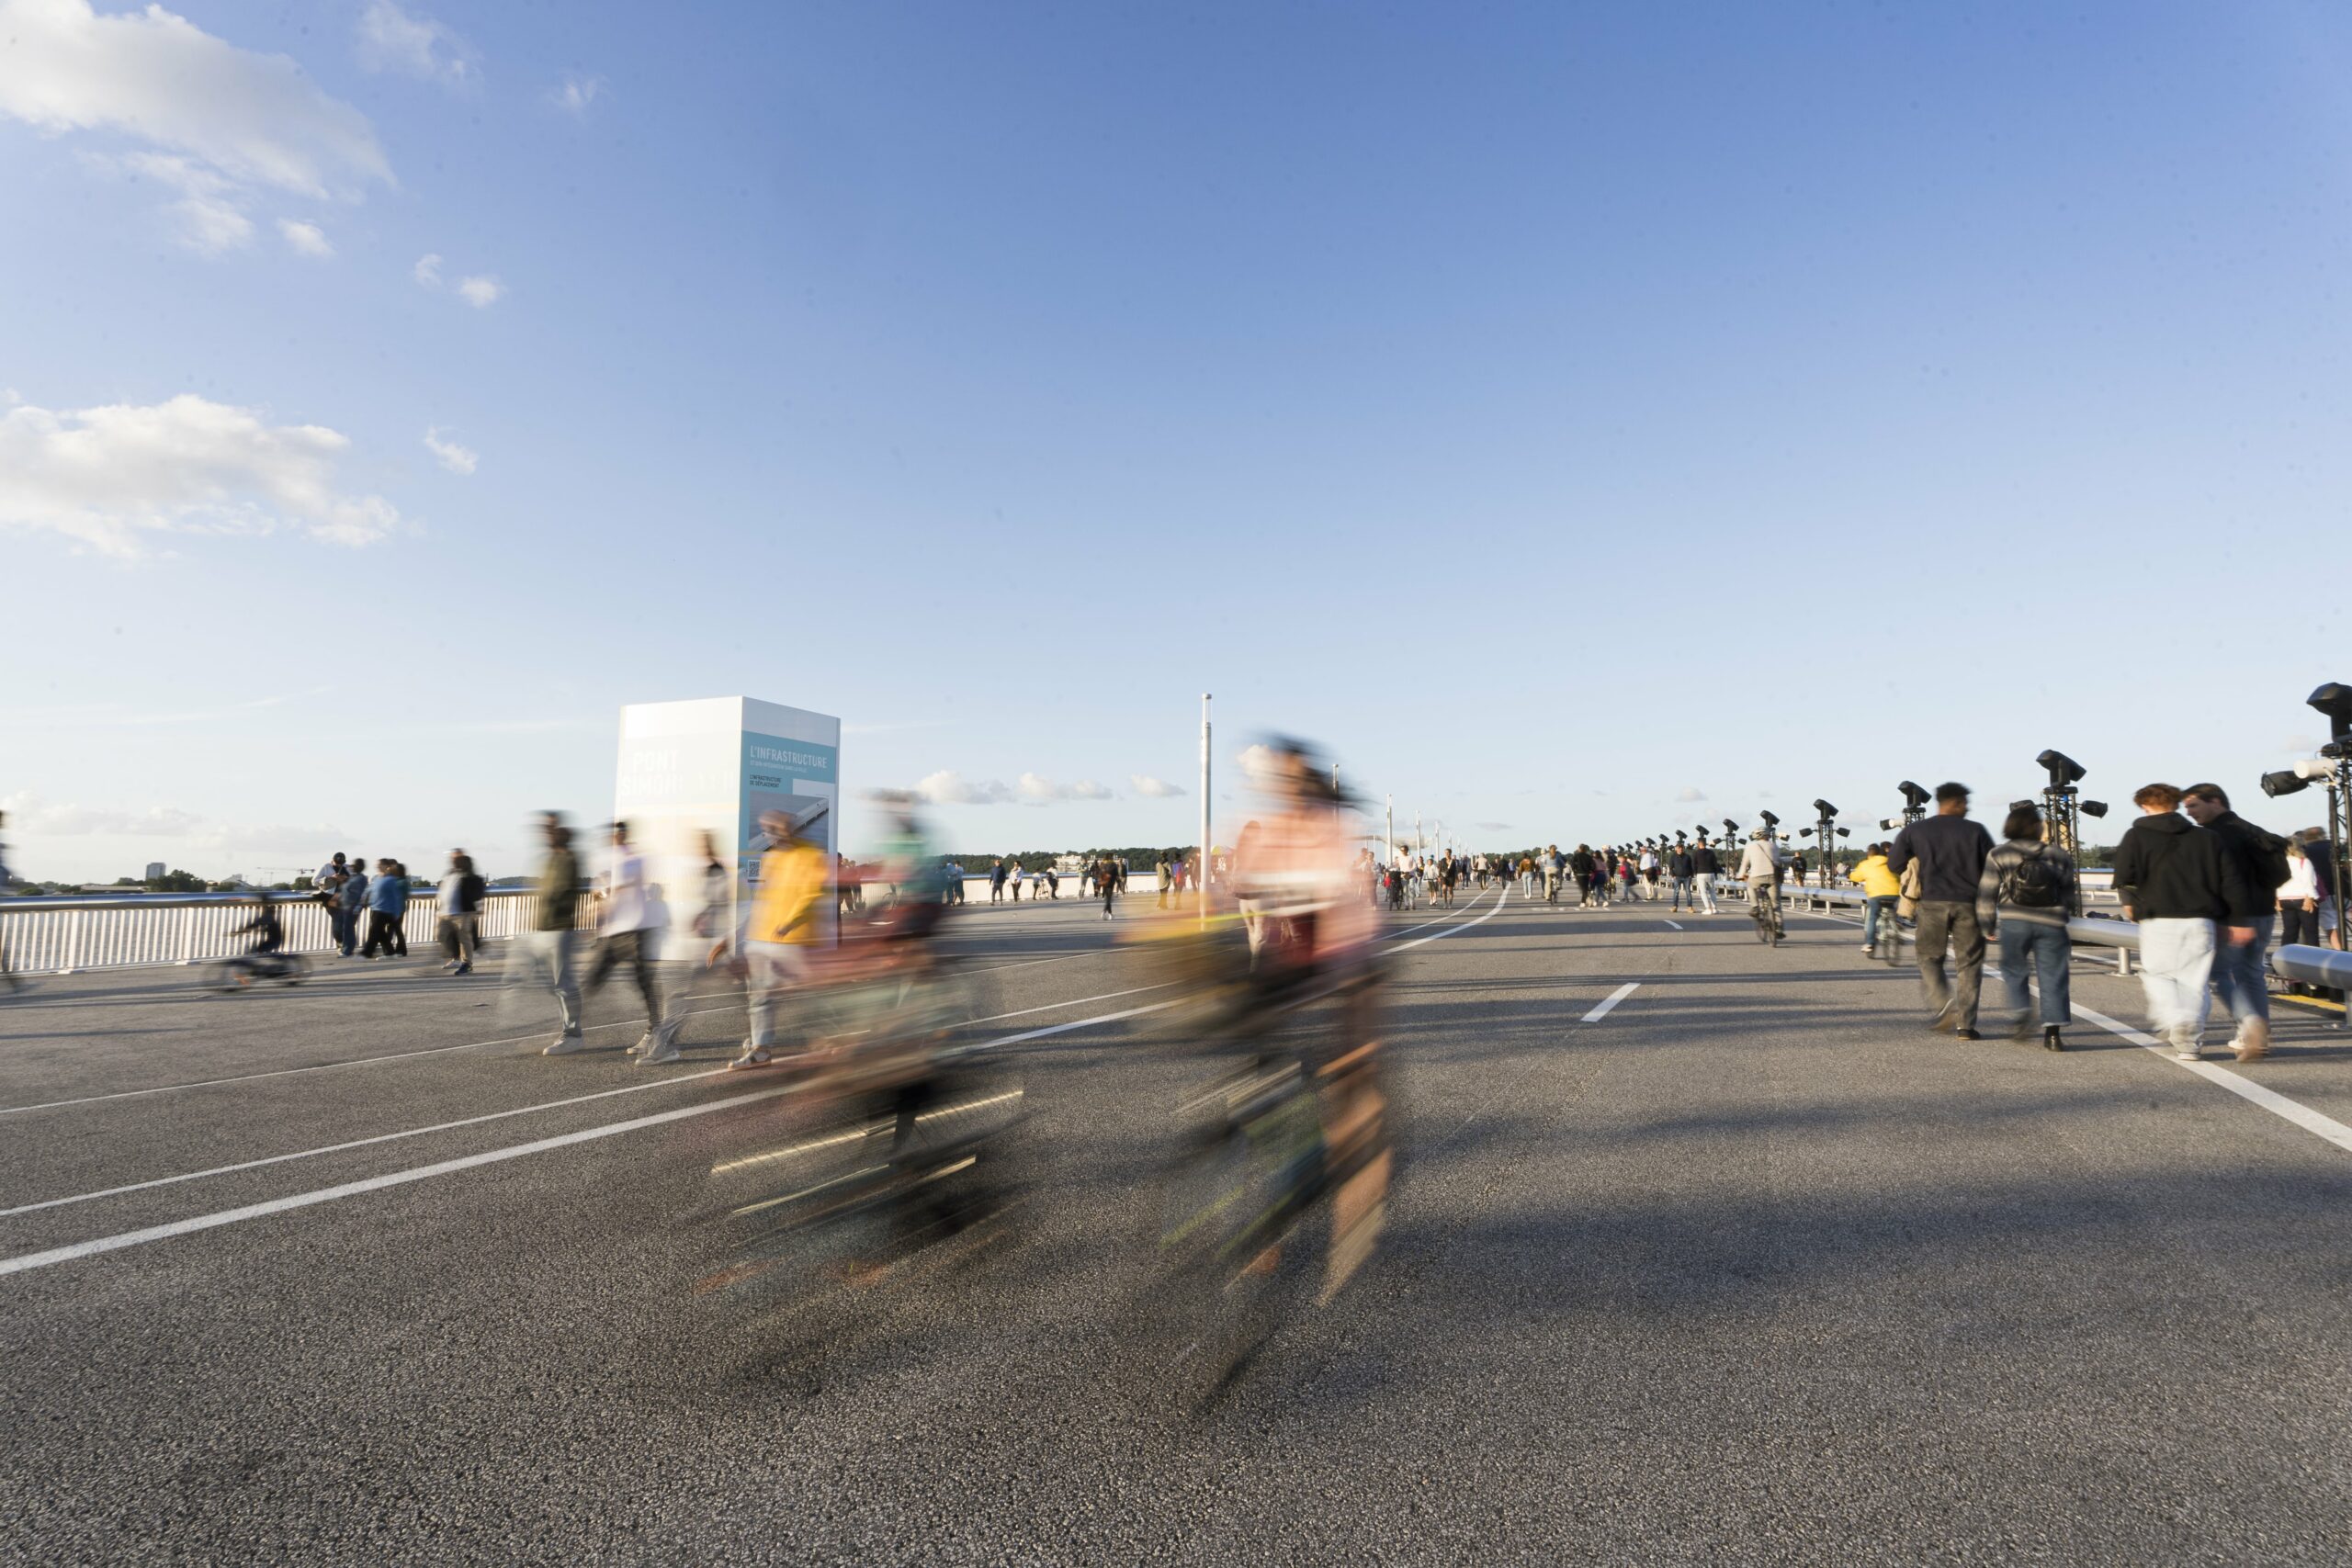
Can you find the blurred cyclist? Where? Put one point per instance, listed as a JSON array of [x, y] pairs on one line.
[[782, 927]]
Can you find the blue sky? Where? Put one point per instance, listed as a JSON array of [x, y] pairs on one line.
[[1557, 411]]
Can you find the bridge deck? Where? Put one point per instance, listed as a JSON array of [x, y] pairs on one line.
[[1748, 1267]]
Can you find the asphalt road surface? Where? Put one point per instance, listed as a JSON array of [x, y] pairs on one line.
[[1748, 1267]]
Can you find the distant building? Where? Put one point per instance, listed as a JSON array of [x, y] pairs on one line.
[[155, 870]]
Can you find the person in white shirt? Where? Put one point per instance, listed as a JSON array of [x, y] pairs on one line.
[[629, 931], [1649, 874]]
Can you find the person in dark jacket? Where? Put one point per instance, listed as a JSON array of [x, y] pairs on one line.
[[1678, 872], [2173, 878], [2261, 859], [458, 907], [2023, 898], [1949, 851]]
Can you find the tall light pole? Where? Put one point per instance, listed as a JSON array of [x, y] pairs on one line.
[[1204, 810]]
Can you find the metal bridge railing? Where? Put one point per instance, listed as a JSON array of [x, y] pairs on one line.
[[63, 936]]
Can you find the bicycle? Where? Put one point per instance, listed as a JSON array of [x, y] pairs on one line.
[[1282, 1158], [228, 975], [891, 1142], [1764, 908]]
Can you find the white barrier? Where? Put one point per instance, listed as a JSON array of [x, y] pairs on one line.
[[63, 936]]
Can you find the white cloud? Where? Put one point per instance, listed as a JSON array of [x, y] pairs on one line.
[[947, 787], [456, 458], [576, 93], [428, 271], [1038, 790], [33, 818], [1258, 764], [217, 123], [1144, 784], [1491, 827], [1688, 792], [307, 238], [108, 476], [392, 39], [30, 815], [481, 293]]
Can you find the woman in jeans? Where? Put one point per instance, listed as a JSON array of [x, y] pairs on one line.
[[2024, 897]]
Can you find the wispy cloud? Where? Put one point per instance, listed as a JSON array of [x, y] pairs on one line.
[[306, 239], [219, 125], [1689, 791], [113, 477], [456, 458], [948, 787], [1492, 826], [1037, 790], [397, 41], [481, 292], [428, 271], [576, 93], [1156, 788]]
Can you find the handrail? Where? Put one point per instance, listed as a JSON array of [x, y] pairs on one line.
[[2313, 966], [64, 936]]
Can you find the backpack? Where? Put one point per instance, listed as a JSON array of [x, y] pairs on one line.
[[2269, 853], [2034, 884]]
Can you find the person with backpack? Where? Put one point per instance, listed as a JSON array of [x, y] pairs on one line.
[[2262, 866], [2023, 899]]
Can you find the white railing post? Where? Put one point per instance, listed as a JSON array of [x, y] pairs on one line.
[[187, 932]]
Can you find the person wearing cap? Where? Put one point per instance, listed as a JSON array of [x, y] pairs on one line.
[[784, 925], [1949, 851]]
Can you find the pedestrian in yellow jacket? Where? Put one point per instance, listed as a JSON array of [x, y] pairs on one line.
[[794, 881], [1880, 889]]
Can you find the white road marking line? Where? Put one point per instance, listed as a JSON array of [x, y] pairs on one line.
[[80, 1249], [469, 1045], [667, 1082], [1676, 926], [1464, 926], [1619, 995], [2278, 1104], [359, 1142], [1450, 914]]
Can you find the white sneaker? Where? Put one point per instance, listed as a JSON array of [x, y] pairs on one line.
[[566, 1046], [657, 1054], [644, 1042]]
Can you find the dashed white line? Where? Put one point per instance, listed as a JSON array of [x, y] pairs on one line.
[[1677, 925], [1619, 995]]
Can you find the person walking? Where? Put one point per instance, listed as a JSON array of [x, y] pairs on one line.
[[711, 932], [2023, 898], [2173, 878], [782, 928], [1162, 872], [457, 904], [387, 904], [627, 932], [1704, 868], [351, 901], [1950, 851], [7, 880], [1882, 890], [996, 882], [2299, 902], [552, 935], [2261, 859], [1106, 882]]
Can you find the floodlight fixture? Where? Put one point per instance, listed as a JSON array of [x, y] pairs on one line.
[[1912, 794], [2094, 809], [2065, 772], [2335, 699], [1825, 809], [2286, 780]]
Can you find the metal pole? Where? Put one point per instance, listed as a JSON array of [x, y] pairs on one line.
[[1392, 830], [1204, 810]]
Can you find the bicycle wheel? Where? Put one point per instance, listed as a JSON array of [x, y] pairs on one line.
[[226, 976], [1230, 1260], [297, 970]]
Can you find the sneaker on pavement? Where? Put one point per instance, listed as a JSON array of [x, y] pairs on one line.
[[753, 1056], [566, 1046], [657, 1054], [2252, 1043]]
